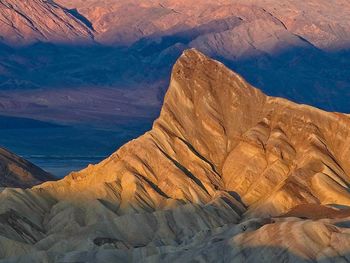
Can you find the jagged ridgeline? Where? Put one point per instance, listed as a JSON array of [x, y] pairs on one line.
[[227, 174]]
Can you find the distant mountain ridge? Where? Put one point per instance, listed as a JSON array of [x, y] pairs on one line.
[[167, 17], [25, 22], [130, 45]]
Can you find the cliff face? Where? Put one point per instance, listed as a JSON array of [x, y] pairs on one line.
[[17, 172], [226, 172]]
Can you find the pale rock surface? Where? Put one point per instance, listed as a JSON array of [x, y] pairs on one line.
[[222, 177], [322, 23], [30, 21]]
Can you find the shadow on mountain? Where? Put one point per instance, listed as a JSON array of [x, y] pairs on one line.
[[74, 12], [304, 75], [307, 76], [24, 123], [154, 44]]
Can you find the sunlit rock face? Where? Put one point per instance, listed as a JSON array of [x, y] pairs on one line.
[[226, 174], [17, 172]]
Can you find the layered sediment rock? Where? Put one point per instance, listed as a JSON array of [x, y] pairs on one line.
[[224, 175]]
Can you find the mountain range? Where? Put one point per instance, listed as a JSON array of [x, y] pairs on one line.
[[236, 166], [226, 174], [82, 52]]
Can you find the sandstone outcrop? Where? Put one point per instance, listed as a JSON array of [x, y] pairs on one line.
[[223, 176]]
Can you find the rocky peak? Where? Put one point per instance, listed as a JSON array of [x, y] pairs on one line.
[[225, 170], [217, 135], [208, 105]]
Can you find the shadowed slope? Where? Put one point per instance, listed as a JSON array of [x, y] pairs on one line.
[[220, 153], [17, 172], [266, 41]]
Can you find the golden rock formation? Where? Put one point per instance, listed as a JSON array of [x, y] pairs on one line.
[[227, 174]]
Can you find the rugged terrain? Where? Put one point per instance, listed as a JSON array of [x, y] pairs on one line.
[[294, 49], [17, 172], [227, 174], [25, 22], [215, 20]]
